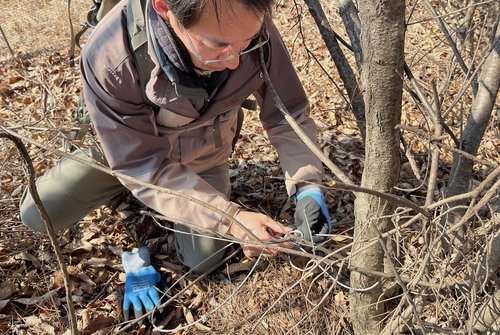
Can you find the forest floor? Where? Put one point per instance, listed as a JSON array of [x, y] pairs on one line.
[[278, 295]]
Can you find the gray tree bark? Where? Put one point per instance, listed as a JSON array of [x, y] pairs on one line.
[[346, 72], [479, 116], [349, 14], [382, 42]]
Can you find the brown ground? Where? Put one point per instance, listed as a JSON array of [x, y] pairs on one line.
[[38, 93]]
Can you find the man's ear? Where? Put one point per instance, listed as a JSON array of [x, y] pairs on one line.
[[161, 8]]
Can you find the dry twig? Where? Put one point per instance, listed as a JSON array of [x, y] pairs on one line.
[[50, 230]]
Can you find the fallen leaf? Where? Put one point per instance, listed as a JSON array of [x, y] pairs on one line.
[[3, 304], [29, 257], [196, 301], [7, 290], [190, 319], [238, 267], [86, 279], [32, 320], [5, 89], [15, 79], [99, 322], [37, 300], [77, 247]]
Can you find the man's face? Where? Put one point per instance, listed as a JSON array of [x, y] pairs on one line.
[[219, 38]]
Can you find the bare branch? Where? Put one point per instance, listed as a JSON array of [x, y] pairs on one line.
[[396, 275], [338, 173], [338, 57], [382, 195], [452, 43], [349, 14], [48, 226], [438, 130]]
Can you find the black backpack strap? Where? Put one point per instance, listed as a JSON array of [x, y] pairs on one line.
[[72, 44], [92, 20], [249, 104], [136, 26], [239, 125]]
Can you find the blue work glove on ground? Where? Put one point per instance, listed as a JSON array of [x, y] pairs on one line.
[[141, 279], [311, 214]]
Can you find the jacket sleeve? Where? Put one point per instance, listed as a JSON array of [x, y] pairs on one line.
[[127, 131], [297, 161]]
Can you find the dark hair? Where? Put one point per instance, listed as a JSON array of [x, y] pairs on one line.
[[188, 12]]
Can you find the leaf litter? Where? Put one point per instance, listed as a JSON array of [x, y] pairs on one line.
[[37, 96]]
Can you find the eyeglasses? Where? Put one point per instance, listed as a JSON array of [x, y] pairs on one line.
[[264, 37]]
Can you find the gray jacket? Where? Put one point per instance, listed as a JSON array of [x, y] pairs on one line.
[[193, 130]]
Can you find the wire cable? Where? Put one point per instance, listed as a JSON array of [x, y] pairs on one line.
[[216, 308]]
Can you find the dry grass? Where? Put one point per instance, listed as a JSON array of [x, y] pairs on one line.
[[34, 28], [38, 94]]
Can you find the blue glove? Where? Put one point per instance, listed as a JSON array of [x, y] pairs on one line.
[[311, 214], [141, 279]]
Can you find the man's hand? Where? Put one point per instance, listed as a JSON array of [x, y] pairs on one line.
[[260, 225], [311, 214], [140, 283]]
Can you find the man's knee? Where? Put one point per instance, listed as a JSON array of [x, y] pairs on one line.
[[197, 252], [68, 192], [29, 213], [202, 264]]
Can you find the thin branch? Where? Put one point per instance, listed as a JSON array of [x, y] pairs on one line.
[[128, 178], [396, 275], [295, 126], [476, 4], [421, 97], [349, 14], [48, 226], [473, 210], [472, 194], [459, 95], [345, 70], [7, 42], [438, 131], [310, 54], [453, 46], [386, 196], [438, 142]]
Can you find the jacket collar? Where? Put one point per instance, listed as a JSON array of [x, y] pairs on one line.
[[173, 58], [167, 44]]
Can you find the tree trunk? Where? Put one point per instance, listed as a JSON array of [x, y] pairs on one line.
[[479, 116], [349, 14], [346, 72], [487, 317], [382, 42]]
